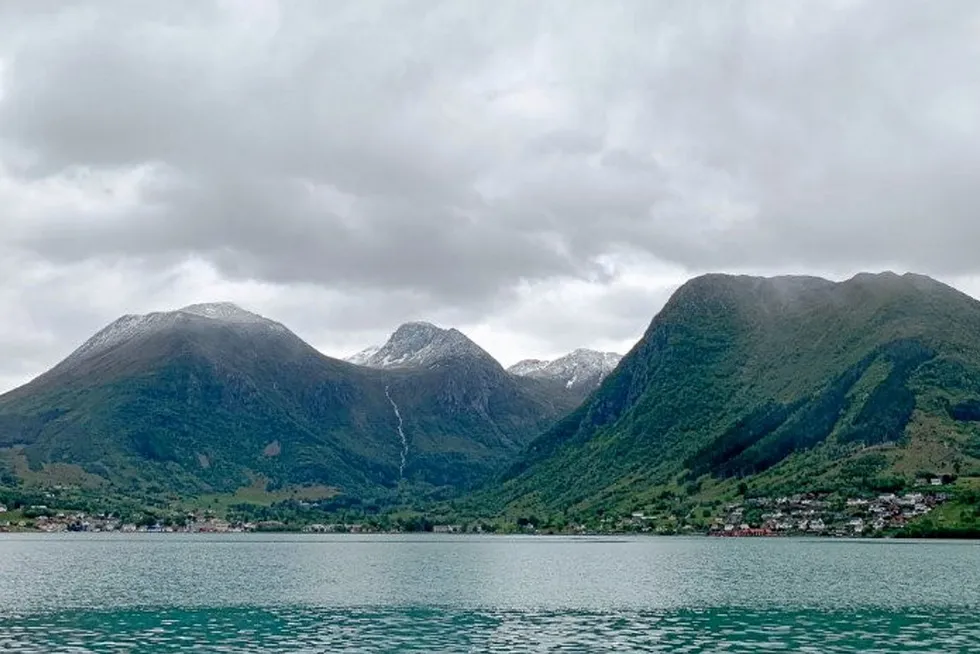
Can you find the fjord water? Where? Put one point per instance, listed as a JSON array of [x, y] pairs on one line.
[[348, 593]]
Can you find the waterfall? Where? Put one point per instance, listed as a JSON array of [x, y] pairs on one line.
[[401, 434]]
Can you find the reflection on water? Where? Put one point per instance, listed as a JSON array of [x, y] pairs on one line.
[[446, 630], [291, 593]]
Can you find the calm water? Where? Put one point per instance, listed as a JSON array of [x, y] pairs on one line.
[[254, 593]]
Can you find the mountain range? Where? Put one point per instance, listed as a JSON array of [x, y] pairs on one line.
[[739, 386], [211, 397], [421, 344]]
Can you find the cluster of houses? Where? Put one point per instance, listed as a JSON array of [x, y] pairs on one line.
[[337, 528], [819, 515], [357, 528], [65, 521]]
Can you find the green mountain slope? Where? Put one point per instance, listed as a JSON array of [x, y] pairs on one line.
[[773, 385], [213, 398]]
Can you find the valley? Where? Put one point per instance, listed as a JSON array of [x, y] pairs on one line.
[[742, 391]]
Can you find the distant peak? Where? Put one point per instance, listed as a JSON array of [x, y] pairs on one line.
[[221, 311], [212, 306], [527, 367], [416, 327], [581, 367], [584, 351], [417, 344]]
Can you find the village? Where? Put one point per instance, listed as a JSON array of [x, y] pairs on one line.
[[806, 515], [811, 514], [52, 521]]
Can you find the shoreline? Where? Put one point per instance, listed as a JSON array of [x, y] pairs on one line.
[[437, 534]]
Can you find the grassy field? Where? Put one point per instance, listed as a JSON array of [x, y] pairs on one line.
[[258, 494]]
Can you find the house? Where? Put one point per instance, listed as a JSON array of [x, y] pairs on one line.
[[316, 529]]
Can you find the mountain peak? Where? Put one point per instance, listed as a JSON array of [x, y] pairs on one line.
[[417, 329], [770, 296], [419, 344], [228, 311], [131, 326], [581, 368], [527, 367]]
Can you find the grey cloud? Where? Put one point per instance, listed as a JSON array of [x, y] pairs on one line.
[[566, 142], [836, 131], [443, 153]]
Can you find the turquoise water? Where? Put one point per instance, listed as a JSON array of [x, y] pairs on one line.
[[292, 593]]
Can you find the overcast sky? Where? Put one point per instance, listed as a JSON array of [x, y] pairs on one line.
[[539, 174]]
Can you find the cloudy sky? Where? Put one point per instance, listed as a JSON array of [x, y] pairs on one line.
[[539, 174]]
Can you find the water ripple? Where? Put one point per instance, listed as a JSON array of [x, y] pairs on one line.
[[245, 630]]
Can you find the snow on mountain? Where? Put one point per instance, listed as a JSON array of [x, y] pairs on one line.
[[577, 369], [528, 367], [418, 344], [227, 312], [128, 327], [133, 326], [364, 356]]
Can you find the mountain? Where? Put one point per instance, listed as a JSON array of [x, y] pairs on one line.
[[768, 386], [212, 397], [420, 345], [528, 367], [363, 357], [581, 370]]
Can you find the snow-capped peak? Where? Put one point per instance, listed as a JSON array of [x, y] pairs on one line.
[[528, 367], [132, 326], [582, 367], [418, 344], [226, 311]]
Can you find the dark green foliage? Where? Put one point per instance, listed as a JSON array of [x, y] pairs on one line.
[[7, 476], [205, 406], [966, 411], [863, 467], [972, 446], [773, 379], [809, 426], [883, 417], [888, 410], [929, 530], [745, 433]]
